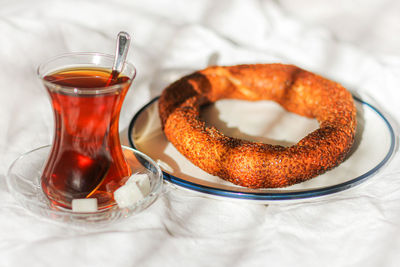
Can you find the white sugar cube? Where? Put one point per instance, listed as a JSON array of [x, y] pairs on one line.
[[143, 182], [127, 195], [84, 205], [135, 189]]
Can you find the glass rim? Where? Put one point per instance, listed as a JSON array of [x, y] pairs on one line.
[[79, 90]]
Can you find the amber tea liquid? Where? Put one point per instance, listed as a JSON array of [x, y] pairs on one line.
[[86, 159]]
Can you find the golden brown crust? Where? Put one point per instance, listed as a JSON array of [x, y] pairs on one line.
[[259, 165]]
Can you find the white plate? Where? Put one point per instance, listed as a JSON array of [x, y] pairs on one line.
[[267, 122]]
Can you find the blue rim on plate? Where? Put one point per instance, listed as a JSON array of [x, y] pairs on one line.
[[268, 196]]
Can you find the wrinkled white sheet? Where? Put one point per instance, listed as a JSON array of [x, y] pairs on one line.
[[356, 43]]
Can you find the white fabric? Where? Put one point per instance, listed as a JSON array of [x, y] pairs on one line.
[[356, 43]]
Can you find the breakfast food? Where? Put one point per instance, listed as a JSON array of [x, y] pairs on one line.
[[252, 164]]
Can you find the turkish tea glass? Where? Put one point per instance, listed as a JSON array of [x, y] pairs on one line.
[[86, 158]]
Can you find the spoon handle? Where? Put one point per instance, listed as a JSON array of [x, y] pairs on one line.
[[123, 42]]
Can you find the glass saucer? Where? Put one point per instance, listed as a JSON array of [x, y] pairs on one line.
[[24, 177]]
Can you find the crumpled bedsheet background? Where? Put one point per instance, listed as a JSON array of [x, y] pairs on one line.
[[356, 43]]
